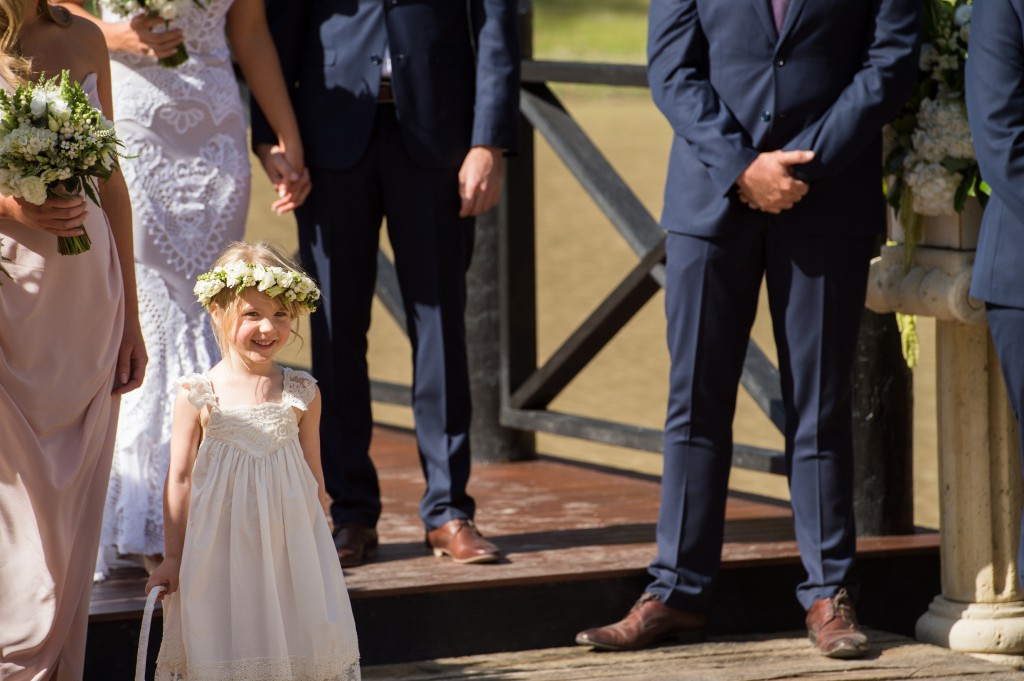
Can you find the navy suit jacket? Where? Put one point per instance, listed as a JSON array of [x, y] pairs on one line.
[[455, 75], [732, 86], [995, 107]]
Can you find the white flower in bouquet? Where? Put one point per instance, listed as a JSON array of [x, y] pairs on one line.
[[53, 141], [168, 10]]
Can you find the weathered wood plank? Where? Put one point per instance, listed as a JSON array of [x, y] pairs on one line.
[[748, 658]]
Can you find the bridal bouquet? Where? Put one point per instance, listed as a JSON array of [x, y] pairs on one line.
[[168, 10], [53, 142]]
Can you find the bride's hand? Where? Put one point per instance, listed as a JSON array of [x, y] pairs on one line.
[[292, 184], [60, 217], [138, 37]]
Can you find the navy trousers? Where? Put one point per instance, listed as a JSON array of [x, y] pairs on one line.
[[816, 289], [1007, 327], [339, 232]]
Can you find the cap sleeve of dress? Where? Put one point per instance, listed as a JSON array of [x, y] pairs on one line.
[[299, 388], [200, 390]]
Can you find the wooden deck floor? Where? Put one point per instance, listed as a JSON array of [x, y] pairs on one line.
[[751, 658], [554, 521]]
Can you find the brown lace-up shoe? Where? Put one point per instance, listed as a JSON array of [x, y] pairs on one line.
[[832, 627], [460, 539], [356, 544], [649, 621]]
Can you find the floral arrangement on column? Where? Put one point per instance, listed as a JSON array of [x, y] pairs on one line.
[[928, 155]]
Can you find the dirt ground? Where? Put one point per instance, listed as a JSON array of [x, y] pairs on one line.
[[580, 259]]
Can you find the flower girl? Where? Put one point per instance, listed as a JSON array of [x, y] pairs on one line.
[[254, 589]]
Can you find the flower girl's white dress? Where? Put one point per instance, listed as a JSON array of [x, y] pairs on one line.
[[261, 594]]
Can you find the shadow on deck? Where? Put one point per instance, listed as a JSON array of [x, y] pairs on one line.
[[577, 541]]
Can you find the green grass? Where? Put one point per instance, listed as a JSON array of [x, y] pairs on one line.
[[590, 30]]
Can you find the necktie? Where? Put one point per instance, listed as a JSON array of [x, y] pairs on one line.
[[779, 8]]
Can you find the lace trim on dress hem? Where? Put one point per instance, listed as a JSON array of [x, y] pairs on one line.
[[330, 668]]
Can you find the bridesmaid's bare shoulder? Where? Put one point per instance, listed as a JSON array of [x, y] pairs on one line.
[[69, 42]]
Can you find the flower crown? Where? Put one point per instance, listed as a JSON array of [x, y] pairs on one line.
[[274, 281]]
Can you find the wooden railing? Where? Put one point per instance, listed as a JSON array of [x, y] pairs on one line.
[[509, 411]]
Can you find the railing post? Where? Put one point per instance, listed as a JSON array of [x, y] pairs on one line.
[[882, 430], [501, 311]]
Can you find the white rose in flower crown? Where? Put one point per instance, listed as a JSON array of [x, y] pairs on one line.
[[265, 278], [236, 272], [32, 189], [283, 277]]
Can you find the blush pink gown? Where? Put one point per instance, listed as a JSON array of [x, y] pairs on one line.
[[61, 321]]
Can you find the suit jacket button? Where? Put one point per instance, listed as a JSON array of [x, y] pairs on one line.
[[376, 60], [780, 62], [766, 116]]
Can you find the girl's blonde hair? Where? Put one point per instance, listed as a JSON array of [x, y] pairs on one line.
[[227, 302], [15, 68]]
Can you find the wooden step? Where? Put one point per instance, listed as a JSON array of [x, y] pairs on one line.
[[576, 541]]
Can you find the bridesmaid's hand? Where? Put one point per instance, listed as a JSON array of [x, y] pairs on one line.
[[131, 359], [167, 574], [139, 37], [60, 217]]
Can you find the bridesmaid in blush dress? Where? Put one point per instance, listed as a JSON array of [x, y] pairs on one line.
[[190, 195], [70, 344]]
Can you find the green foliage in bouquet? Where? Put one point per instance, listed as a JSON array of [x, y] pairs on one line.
[[54, 142]]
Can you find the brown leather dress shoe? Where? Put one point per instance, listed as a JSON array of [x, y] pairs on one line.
[[649, 622], [832, 627], [356, 544], [460, 539]]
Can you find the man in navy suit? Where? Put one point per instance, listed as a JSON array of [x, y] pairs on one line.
[[775, 174], [995, 108], [406, 108]]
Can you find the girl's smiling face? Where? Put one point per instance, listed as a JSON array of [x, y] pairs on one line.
[[262, 327]]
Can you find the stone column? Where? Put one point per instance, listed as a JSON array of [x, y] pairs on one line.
[[981, 608]]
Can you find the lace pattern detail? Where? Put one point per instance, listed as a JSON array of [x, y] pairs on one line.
[[180, 98], [177, 342], [258, 429], [299, 388], [332, 668], [187, 206]]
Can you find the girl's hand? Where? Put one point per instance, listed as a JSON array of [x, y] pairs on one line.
[[60, 217], [131, 358], [167, 574], [139, 37]]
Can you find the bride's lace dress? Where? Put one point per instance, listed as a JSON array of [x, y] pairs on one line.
[[189, 186]]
